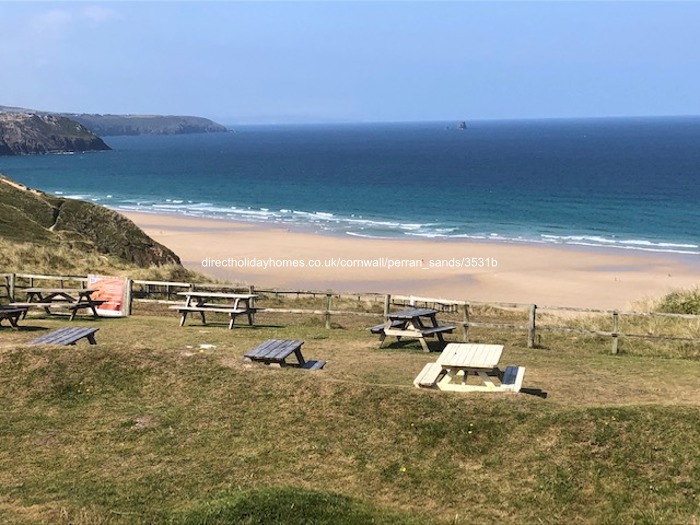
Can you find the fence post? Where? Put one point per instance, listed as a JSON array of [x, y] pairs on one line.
[[251, 291], [531, 326], [328, 311], [387, 304], [11, 287], [465, 325], [615, 328], [128, 300]]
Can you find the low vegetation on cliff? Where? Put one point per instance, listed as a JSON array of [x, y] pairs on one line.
[[33, 222]]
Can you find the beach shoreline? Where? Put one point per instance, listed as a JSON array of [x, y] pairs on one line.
[[273, 256]]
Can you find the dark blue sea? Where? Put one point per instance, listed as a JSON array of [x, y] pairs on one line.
[[632, 184]]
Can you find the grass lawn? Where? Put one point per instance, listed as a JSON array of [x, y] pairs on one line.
[[147, 427]]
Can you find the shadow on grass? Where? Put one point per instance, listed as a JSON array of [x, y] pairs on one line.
[[414, 344], [26, 328], [290, 506], [534, 392]]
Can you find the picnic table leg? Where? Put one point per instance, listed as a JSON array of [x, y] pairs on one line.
[[446, 379], [94, 311], [251, 319], [299, 357], [230, 323], [13, 321], [73, 314], [382, 336], [204, 320], [91, 339], [182, 319], [486, 379], [424, 344]]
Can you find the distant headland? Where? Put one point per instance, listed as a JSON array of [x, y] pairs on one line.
[[31, 133], [27, 131]]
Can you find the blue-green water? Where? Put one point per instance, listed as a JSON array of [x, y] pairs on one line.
[[624, 183]]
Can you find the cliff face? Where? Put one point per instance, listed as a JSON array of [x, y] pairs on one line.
[[28, 215], [105, 125], [29, 133]]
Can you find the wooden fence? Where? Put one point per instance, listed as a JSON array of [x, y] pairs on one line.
[[166, 292]]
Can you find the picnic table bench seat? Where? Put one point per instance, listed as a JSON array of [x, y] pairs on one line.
[[12, 314], [317, 364], [430, 375], [378, 329], [66, 336], [218, 309], [437, 330], [513, 378], [73, 307]]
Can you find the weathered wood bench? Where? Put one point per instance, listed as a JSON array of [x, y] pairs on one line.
[[66, 336], [419, 334], [73, 307], [12, 314], [513, 378], [427, 332], [276, 351], [202, 310], [429, 376], [379, 329]]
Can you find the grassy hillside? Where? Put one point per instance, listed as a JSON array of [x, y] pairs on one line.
[[151, 427], [30, 218]]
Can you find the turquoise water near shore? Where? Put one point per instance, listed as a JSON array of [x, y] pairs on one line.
[[632, 184]]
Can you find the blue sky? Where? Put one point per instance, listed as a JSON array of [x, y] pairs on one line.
[[266, 62]]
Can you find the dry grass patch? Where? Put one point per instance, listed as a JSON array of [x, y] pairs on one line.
[[146, 428]]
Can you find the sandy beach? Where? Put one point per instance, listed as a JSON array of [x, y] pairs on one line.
[[270, 256]]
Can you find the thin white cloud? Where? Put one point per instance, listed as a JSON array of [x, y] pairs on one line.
[[53, 23], [98, 14]]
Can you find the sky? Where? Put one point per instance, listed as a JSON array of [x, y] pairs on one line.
[[287, 62]]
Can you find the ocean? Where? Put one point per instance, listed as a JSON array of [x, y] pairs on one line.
[[631, 184]]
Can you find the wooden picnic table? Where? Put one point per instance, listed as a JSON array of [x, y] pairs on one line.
[[459, 361], [410, 323], [66, 336], [276, 351], [72, 298], [233, 304]]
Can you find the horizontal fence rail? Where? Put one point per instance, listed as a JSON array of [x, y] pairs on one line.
[[166, 292]]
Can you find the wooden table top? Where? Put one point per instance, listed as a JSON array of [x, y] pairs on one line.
[[466, 355], [219, 295], [274, 350], [412, 313], [60, 290]]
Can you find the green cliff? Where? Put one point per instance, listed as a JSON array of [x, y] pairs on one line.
[[31, 216]]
